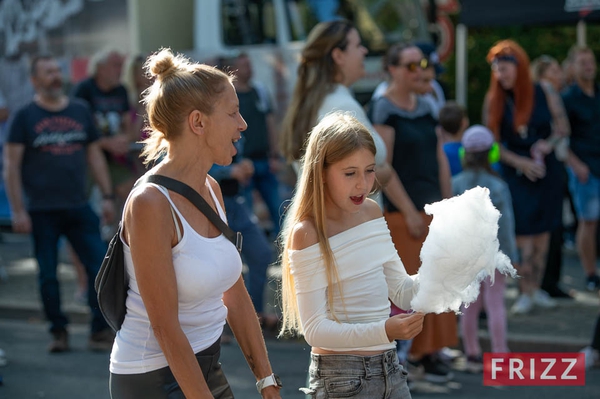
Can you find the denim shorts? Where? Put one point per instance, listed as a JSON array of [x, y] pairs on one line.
[[586, 196], [352, 376]]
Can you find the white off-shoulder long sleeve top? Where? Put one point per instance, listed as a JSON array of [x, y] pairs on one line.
[[370, 271]]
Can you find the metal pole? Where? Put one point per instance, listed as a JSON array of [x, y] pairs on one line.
[[581, 33], [461, 64], [133, 11]]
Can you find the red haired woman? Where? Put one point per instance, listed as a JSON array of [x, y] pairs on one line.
[[517, 112]]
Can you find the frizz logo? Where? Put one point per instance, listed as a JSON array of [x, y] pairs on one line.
[[534, 369]]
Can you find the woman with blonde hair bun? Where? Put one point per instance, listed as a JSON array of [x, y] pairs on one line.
[[185, 277]]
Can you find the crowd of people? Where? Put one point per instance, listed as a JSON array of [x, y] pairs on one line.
[[364, 176]]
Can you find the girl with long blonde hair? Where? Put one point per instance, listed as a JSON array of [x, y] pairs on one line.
[[340, 267], [331, 61]]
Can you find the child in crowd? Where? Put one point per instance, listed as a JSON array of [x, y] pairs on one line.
[[477, 141], [340, 266], [453, 121]]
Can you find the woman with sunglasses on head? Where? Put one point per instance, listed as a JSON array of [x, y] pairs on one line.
[[520, 115], [331, 61], [422, 176]]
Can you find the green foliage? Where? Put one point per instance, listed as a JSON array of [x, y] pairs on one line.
[[554, 41]]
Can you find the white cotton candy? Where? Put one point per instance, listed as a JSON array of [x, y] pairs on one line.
[[460, 251]]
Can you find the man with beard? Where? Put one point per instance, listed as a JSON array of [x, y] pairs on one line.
[[582, 103], [50, 142]]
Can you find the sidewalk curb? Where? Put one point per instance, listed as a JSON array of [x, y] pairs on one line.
[[535, 343], [27, 312]]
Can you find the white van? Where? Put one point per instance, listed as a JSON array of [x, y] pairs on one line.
[[272, 33]]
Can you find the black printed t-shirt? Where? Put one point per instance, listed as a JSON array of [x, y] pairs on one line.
[[584, 116], [54, 167], [108, 107], [254, 108]]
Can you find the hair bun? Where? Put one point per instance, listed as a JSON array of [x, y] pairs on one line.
[[161, 64]]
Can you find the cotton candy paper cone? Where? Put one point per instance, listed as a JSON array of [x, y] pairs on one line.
[[460, 251]]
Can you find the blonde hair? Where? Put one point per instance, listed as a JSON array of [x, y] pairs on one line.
[[337, 136], [317, 75], [179, 87], [128, 76], [540, 65]]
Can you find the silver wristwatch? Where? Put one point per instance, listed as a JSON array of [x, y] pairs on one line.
[[272, 379]]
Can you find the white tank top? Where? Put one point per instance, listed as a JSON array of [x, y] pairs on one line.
[[204, 268]]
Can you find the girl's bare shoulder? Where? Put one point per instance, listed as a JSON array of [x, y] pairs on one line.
[[372, 209], [304, 234]]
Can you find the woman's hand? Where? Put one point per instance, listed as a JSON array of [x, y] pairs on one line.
[[531, 169], [416, 225], [542, 147], [21, 222], [582, 171], [116, 145], [242, 171], [108, 211], [404, 326]]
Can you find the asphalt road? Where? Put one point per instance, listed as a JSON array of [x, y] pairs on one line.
[[32, 373]]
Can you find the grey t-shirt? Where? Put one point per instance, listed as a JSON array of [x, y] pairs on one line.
[[500, 196]]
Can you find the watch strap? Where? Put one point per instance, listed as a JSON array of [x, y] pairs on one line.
[[268, 381]]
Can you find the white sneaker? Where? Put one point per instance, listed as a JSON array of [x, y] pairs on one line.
[[592, 357], [523, 305], [543, 300], [474, 365]]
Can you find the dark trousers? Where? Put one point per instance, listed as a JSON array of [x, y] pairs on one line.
[[596, 336], [554, 262], [81, 226], [161, 384], [257, 252], [268, 186]]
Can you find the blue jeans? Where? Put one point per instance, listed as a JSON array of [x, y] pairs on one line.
[[352, 376], [81, 226], [586, 196], [257, 253], [268, 186]]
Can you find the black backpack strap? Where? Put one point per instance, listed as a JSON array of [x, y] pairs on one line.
[[195, 198]]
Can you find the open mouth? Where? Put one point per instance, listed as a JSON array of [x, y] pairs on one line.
[[357, 200]]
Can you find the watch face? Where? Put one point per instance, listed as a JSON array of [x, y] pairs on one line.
[[277, 380]]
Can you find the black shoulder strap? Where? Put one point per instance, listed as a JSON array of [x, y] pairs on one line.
[[200, 203]]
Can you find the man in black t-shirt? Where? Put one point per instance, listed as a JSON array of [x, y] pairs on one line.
[[259, 140], [109, 103], [49, 144], [582, 103]]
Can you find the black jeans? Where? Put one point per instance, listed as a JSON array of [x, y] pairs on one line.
[[81, 226], [161, 384]]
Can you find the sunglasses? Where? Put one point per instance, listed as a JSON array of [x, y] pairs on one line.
[[413, 66]]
